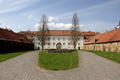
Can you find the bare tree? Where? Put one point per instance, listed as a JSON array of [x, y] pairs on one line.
[[43, 31], [75, 30]]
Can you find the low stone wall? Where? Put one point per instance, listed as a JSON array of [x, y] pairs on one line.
[[114, 46], [58, 51]]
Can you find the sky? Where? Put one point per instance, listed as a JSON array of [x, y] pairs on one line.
[[94, 15]]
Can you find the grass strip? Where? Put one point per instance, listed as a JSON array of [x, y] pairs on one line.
[[58, 61], [8, 55], [114, 56]]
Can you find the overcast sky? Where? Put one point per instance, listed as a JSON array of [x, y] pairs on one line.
[[94, 15]]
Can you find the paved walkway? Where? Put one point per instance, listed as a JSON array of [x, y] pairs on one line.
[[91, 67]]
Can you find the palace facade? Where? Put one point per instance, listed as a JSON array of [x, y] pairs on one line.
[[62, 37]]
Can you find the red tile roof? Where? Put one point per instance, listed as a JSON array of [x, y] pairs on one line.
[[110, 36], [116, 36], [11, 36], [87, 37], [60, 33], [89, 33], [28, 32]]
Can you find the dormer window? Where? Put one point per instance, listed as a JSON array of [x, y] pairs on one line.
[[95, 40], [22, 39]]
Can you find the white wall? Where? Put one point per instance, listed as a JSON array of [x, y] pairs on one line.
[[66, 46]]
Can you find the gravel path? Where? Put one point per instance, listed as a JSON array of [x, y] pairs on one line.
[[91, 67]]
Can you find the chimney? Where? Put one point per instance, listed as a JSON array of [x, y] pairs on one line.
[[5, 28], [89, 30], [115, 28], [119, 25], [28, 29], [105, 31]]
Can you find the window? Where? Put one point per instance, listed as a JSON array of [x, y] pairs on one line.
[[48, 43], [118, 43], [78, 43], [53, 43], [68, 43], [63, 43], [69, 39], [38, 43], [58, 38], [53, 39], [48, 39], [63, 39], [38, 38]]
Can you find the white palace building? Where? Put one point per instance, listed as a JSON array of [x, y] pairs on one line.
[[62, 37]]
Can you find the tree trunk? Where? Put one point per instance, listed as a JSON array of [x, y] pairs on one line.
[[74, 48], [42, 48]]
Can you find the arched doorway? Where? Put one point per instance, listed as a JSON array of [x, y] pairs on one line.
[[58, 46], [38, 48]]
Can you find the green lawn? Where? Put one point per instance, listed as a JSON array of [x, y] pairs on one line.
[[58, 61], [7, 55], [114, 56]]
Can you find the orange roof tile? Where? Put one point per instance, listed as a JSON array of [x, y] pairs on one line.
[[89, 33], [27, 32], [58, 33], [116, 35], [109, 36], [11, 36], [87, 37]]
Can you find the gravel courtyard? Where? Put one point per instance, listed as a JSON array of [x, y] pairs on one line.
[[91, 67]]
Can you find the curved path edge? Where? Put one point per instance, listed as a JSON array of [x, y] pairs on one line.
[[91, 67]]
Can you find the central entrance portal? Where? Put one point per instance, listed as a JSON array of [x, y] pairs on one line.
[[58, 46]]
